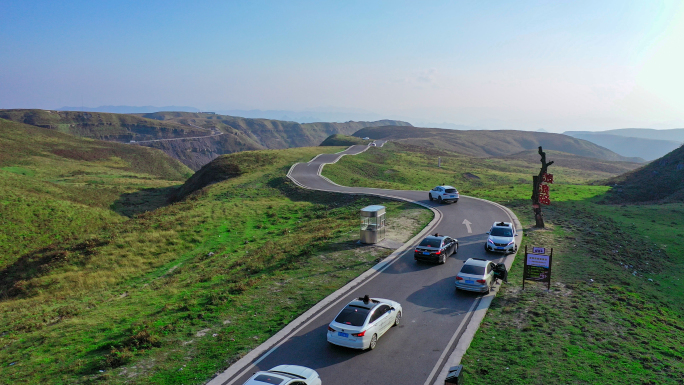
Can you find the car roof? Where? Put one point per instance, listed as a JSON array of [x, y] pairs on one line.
[[437, 237], [296, 370], [446, 186], [359, 303], [476, 262]]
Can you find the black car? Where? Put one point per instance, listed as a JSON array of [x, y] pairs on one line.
[[436, 248]]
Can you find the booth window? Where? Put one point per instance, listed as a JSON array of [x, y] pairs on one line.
[[369, 223]]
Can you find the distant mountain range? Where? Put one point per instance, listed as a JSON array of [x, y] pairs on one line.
[[326, 114], [674, 134], [193, 138], [645, 143], [129, 109]]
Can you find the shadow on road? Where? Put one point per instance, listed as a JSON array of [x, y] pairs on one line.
[[443, 298]]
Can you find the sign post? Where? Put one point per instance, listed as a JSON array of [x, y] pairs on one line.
[[538, 266]]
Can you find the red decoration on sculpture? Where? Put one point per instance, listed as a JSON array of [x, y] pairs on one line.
[[543, 189], [548, 178], [544, 200]]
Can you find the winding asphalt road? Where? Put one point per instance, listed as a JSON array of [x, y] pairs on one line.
[[435, 316]]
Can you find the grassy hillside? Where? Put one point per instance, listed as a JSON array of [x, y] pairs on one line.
[[615, 311], [660, 180], [490, 143], [101, 125], [169, 296], [402, 166], [644, 148], [343, 140], [570, 161], [55, 186]]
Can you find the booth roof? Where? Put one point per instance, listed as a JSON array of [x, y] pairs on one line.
[[373, 208]]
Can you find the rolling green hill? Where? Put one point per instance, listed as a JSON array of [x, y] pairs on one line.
[[90, 295], [55, 186], [570, 161], [482, 143], [660, 180]]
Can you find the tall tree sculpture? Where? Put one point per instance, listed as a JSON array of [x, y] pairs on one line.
[[536, 182]]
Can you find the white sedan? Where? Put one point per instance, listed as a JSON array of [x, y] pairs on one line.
[[286, 375], [363, 321]]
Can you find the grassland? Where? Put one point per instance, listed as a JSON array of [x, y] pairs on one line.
[[103, 291], [615, 311], [55, 186]]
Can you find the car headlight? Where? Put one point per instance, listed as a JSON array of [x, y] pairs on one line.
[[490, 241], [510, 243]]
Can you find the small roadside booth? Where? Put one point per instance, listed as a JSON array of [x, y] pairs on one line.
[[372, 224]]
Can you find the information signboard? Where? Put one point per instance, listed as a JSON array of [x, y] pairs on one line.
[[537, 266]]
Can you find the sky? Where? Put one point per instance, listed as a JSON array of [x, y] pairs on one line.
[[575, 65]]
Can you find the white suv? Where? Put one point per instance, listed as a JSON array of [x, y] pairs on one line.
[[444, 194], [501, 238]]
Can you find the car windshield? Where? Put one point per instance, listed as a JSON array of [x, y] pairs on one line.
[[431, 242], [269, 379], [502, 232], [352, 315], [450, 190], [472, 269]]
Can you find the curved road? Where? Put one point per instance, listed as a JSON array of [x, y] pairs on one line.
[[435, 316]]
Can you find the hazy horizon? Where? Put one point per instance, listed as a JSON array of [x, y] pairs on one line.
[[580, 66]]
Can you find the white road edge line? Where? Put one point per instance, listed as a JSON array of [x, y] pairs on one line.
[[245, 363], [238, 368], [474, 324], [448, 347]]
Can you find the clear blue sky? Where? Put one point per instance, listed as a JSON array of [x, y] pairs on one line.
[[491, 64]]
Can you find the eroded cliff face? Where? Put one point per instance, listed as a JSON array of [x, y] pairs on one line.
[[195, 153], [193, 138], [239, 134]]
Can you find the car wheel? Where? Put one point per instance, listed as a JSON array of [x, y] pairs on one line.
[[485, 247], [442, 260], [439, 200], [397, 319], [374, 342], [430, 196], [455, 250]]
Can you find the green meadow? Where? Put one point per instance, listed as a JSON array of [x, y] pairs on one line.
[[615, 311], [102, 280]]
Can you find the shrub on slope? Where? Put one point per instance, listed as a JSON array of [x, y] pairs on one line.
[[343, 140]]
